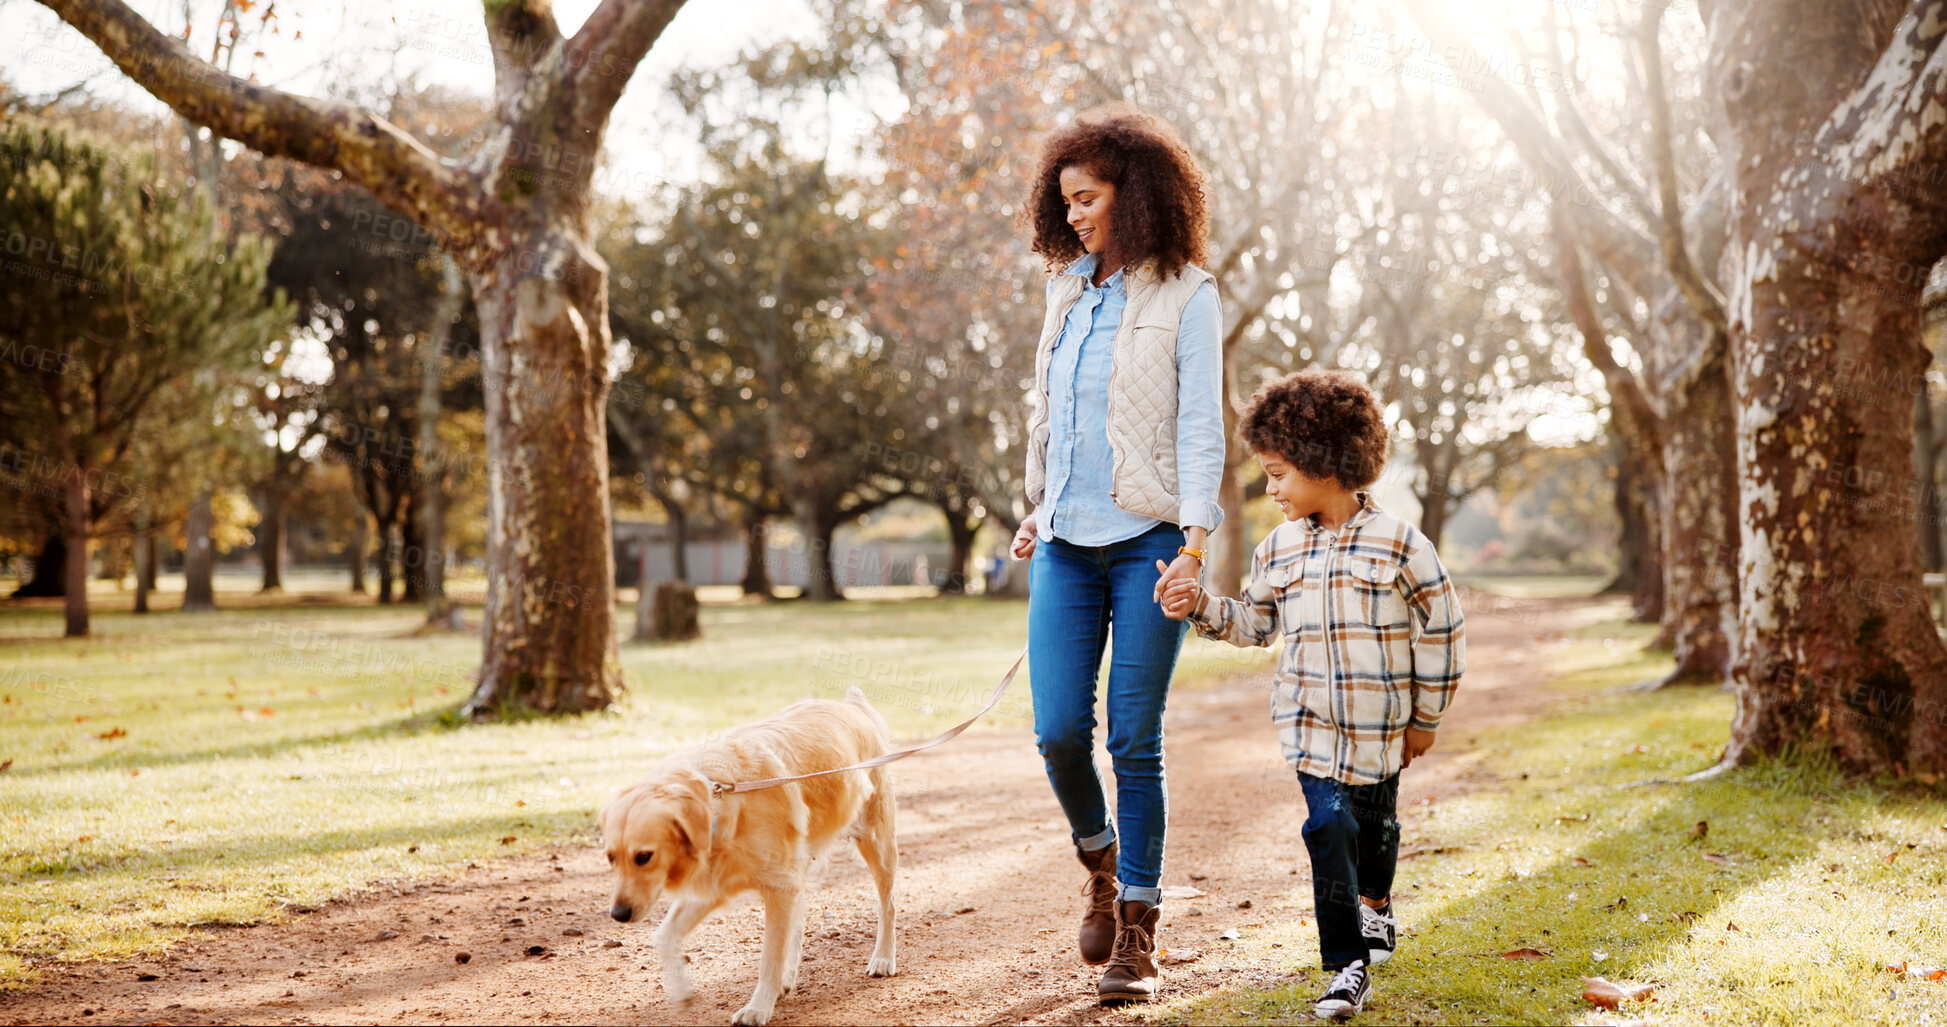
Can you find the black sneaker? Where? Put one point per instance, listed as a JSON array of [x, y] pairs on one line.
[[1381, 931], [1347, 995]]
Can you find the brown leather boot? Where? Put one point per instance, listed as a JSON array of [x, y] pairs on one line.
[[1132, 973], [1098, 920]]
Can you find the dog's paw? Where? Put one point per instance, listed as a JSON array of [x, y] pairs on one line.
[[751, 1016], [881, 966], [677, 989]]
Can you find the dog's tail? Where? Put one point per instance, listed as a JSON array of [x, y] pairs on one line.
[[855, 695]]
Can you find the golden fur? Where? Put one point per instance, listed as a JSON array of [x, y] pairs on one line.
[[668, 833]]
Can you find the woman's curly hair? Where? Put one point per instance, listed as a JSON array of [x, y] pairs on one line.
[[1159, 212], [1327, 424]]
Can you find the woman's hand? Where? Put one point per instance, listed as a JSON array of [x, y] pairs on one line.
[[1182, 571], [1024, 539], [1179, 597]]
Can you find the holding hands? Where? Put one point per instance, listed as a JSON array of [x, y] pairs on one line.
[[1176, 589]]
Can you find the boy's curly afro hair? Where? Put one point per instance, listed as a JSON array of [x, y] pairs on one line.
[[1160, 212], [1327, 424]]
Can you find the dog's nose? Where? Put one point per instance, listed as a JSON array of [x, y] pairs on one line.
[[621, 911]]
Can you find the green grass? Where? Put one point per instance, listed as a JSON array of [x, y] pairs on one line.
[[177, 770], [1548, 846]]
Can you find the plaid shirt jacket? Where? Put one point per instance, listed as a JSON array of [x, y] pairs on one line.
[[1373, 639]]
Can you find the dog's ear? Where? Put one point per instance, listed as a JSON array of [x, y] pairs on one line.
[[693, 820]]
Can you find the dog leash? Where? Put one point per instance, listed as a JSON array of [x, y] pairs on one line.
[[721, 787]]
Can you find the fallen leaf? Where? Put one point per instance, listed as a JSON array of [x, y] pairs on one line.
[[1622, 902], [112, 734], [1731, 925], [1182, 891], [1230, 934], [1525, 954], [1177, 957], [1890, 857], [1718, 858], [1639, 749], [1701, 830], [1580, 862], [1609, 994], [509, 839], [6, 766]]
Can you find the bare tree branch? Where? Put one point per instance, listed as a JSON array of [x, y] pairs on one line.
[[359, 144], [608, 47], [1702, 296]]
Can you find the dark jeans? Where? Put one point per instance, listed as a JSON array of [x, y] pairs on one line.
[[1353, 837], [1078, 596]]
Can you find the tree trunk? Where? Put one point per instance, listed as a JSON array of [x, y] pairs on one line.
[[144, 545], [679, 540], [361, 539], [429, 502], [1433, 515], [1230, 544], [199, 557], [1700, 530], [270, 539], [666, 611], [960, 530], [388, 548], [550, 627], [821, 577], [1836, 649], [757, 572], [50, 570], [412, 555], [76, 564], [1640, 569]]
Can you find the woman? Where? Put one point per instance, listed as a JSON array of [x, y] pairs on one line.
[[1125, 445]]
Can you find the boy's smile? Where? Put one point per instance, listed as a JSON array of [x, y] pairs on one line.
[[1299, 496]]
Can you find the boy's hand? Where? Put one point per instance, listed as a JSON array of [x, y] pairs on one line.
[[1177, 594], [1417, 743]]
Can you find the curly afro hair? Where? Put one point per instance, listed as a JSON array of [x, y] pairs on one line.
[[1327, 424], [1160, 211]]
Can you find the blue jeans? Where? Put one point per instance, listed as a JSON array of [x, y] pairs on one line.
[[1078, 596], [1352, 834]]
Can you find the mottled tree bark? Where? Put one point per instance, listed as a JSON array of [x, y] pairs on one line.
[[1836, 114], [514, 214]]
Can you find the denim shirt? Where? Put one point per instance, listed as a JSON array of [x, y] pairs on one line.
[[1081, 466]]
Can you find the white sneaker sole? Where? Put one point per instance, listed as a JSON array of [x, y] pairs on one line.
[[1339, 1011], [1374, 957]]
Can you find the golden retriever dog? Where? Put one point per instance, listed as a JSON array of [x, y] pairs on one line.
[[670, 833]]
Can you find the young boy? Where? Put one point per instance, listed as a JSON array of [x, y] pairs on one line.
[[1373, 651]]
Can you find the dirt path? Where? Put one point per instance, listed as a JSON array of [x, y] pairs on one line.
[[989, 891]]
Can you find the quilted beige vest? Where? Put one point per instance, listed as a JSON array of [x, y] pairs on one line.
[[1142, 389]]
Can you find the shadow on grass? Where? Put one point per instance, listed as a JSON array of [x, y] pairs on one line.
[[443, 718], [1625, 877]]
